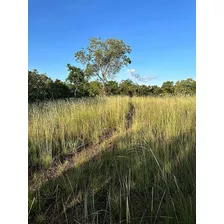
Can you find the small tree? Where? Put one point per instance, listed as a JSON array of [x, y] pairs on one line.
[[77, 78], [156, 90], [59, 89], [112, 88], [38, 86], [185, 87], [127, 87], [104, 59], [168, 87]]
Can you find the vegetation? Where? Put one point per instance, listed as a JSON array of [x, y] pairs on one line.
[[77, 81], [78, 85], [113, 159], [57, 128], [104, 59], [110, 159]]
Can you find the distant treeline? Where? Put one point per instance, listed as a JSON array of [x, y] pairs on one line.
[[77, 85]]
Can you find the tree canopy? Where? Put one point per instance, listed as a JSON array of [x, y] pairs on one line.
[[185, 87], [77, 80], [104, 59]]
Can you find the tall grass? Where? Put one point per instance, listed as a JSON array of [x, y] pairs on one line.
[[143, 174], [61, 127]]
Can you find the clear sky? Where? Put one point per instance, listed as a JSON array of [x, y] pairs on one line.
[[161, 33]]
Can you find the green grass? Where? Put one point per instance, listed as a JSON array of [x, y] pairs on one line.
[[143, 174]]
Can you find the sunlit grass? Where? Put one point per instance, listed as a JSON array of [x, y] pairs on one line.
[[61, 127], [144, 174]]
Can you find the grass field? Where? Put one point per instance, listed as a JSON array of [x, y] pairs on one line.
[[113, 160]]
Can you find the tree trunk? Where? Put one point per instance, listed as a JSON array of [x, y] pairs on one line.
[[104, 93], [104, 80]]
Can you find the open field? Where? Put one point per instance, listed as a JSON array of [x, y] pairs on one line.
[[113, 160]]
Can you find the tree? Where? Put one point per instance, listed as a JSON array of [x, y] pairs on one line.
[[38, 86], [103, 59], [94, 88], [167, 87], [143, 90], [112, 88], [127, 87], [78, 80], [156, 90], [185, 87], [59, 89]]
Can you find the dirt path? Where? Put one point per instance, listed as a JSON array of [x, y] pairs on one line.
[[129, 115], [83, 154]]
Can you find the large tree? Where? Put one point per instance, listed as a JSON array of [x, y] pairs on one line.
[[104, 59]]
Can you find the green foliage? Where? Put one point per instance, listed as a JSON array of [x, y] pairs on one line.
[[59, 90], [38, 86], [157, 91], [143, 90], [77, 81], [185, 87], [112, 88], [104, 59], [77, 85], [127, 87], [167, 87], [94, 88], [76, 75]]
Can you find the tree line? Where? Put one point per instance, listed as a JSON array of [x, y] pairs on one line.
[[76, 85], [102, 60]]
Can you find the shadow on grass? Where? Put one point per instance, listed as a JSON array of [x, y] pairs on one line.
[[152, 182]]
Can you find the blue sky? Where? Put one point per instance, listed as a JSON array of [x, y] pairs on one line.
[[161, 33]]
